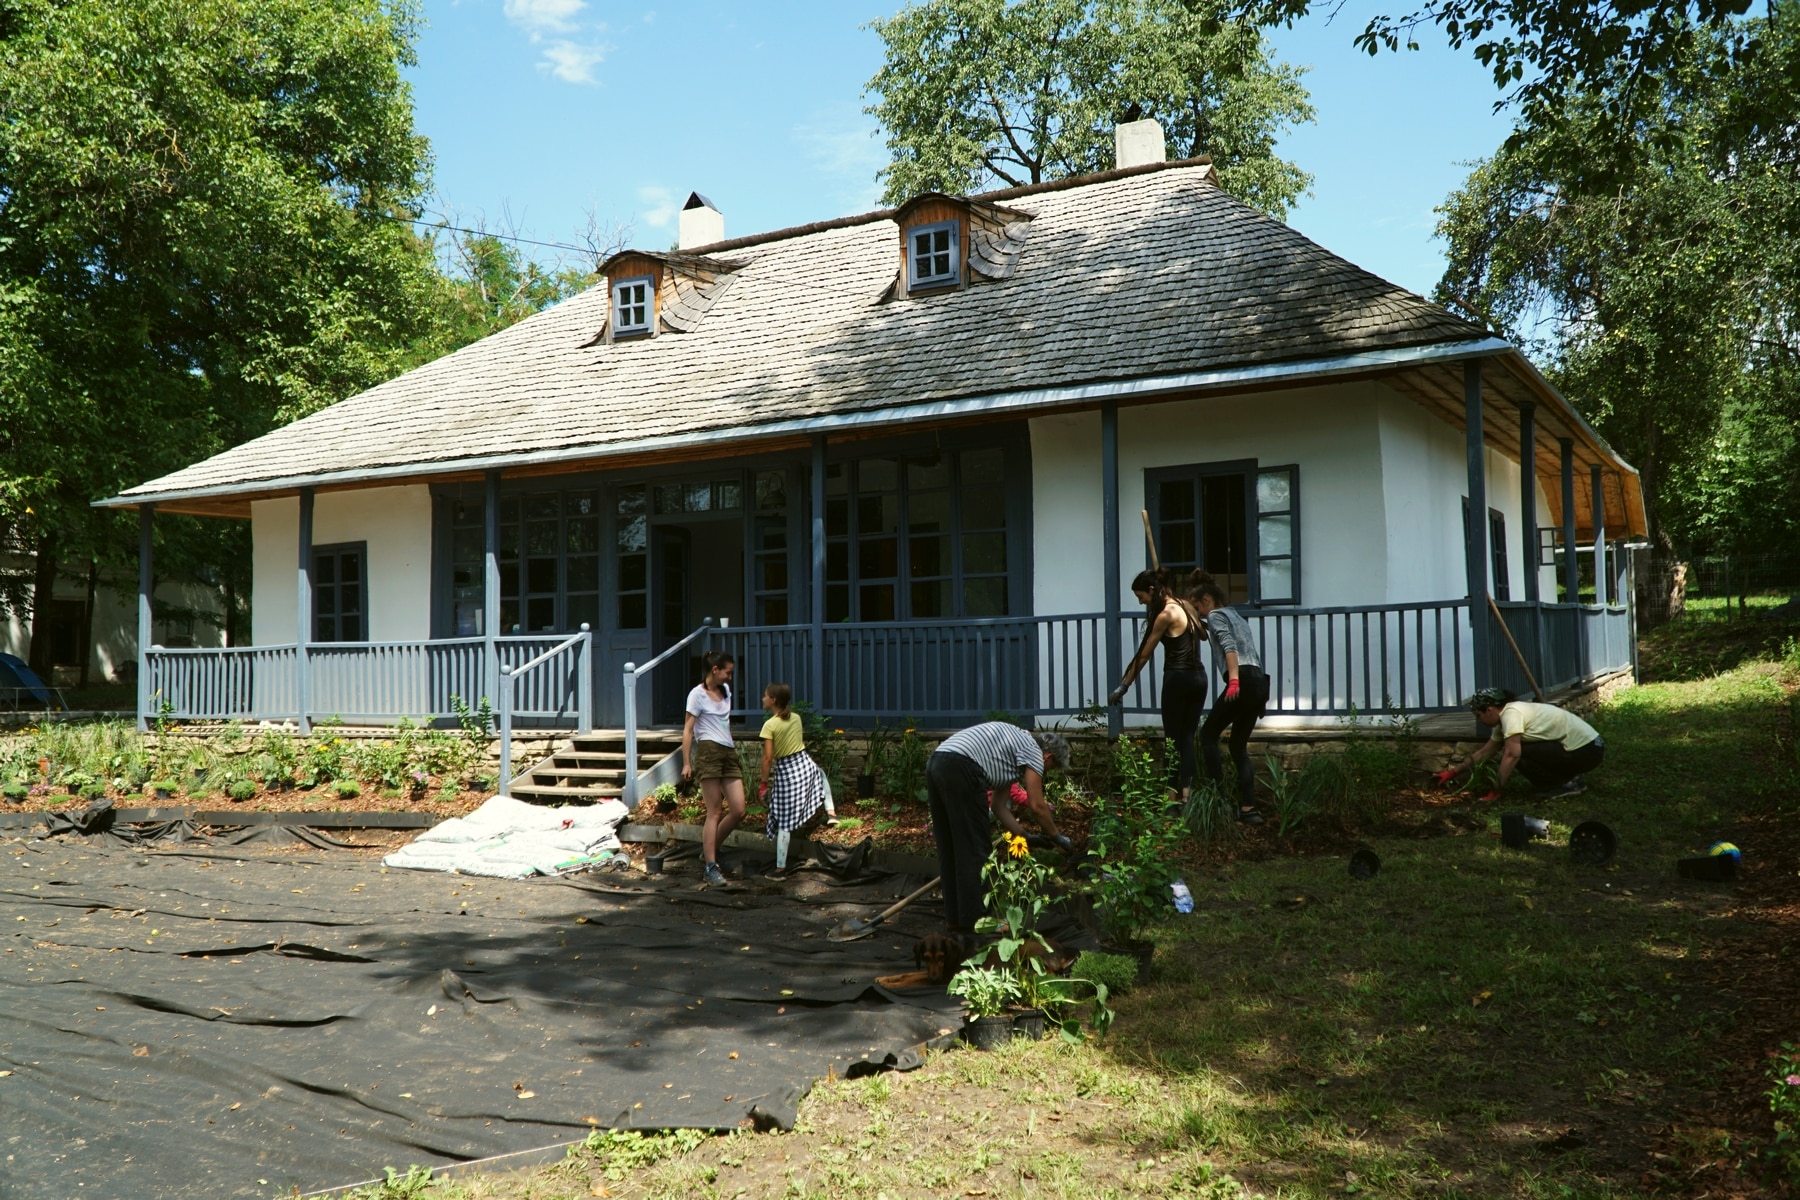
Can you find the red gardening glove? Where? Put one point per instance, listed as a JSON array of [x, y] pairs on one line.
[[1231, 691], [1444, 777], [762, 791], [1493, 795]]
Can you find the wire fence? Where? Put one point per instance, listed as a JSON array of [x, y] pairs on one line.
[[1716, 587]]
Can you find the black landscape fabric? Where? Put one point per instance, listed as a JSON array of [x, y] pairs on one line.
[[205, 1022]]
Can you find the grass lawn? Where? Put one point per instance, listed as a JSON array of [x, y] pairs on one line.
[[1474, 1022]]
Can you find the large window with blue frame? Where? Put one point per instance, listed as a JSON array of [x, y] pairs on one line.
[[1239, 520]]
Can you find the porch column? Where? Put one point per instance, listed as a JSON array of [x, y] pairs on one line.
[[1599, 502], [303, 608], [1528, 497], [1477, 522], [818, 573], [1571, 568], [1109, 558], [146, 584], [490, 590]]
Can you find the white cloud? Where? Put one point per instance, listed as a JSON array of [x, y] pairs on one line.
[[573, 62], [539, 17], [846, 149], [662, 207]]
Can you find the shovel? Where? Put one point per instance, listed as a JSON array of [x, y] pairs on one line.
[[850, 931]]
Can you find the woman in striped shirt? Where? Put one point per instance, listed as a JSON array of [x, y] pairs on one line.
[[1246, 693]]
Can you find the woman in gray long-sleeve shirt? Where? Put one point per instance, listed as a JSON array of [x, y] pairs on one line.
[[1246, 693]]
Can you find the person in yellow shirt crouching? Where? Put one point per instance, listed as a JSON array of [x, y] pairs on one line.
[[1550, 746]]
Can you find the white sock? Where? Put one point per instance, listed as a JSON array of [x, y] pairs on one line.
[[781, 849]]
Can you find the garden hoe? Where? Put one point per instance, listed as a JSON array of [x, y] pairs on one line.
[[851, 931]]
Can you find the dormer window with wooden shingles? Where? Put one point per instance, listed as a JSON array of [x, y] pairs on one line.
[[951, 241], [661, 293]]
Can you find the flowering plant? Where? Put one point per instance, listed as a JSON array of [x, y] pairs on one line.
[[1784, 1102]]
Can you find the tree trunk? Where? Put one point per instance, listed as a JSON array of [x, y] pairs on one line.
[[87, 636], [43, 601]]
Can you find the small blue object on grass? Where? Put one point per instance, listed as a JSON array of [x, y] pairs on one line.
[[1184, 899]]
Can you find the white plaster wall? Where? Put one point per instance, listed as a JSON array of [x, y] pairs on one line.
[[1068, 532], [396, 524]]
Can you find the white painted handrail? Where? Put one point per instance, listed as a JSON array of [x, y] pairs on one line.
[[633, 673]]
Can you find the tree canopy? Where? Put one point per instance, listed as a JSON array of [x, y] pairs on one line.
[[205, 212], [976, 94], [1661, 281]]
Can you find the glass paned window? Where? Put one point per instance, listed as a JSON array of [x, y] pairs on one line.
[[468, 566], [769, 571], [1278, 535], [337, 593], [920, 537], [631, 556], [1497, 550], [932, 260], [631, 305]]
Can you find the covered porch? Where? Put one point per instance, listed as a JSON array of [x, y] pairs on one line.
[[553, 654]]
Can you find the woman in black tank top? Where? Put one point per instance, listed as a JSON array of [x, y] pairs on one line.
[[1173, 625]]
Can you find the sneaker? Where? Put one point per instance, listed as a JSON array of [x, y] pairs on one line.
[[711, 873], [830, 819], [1572, 788], [1250, 816]]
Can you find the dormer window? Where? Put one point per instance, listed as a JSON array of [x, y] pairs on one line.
[[632, 306], [933, 257]]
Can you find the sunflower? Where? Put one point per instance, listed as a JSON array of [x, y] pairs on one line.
[[1015, 846]]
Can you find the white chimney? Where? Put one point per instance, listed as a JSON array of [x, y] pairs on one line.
[[1135, 144], [702, 223]]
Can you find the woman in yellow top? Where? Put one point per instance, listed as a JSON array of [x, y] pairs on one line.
[[793, 786], [1550, 746]]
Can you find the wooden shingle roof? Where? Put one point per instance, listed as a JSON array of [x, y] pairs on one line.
[[1132, 274]]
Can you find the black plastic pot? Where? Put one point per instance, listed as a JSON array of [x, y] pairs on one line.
[[1593, 844], [199, 775], [1709, 868], [1365, 864], [988, 1033], [1029, 1024], [1517, 829], [164, 794], [865, 787], [653, 864]]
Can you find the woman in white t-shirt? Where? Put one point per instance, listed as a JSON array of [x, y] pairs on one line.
[[1550, 746], [709, 754]]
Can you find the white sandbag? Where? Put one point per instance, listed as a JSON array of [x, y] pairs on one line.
[[512, 839]]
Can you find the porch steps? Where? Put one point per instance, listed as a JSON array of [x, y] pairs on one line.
[[590, 767]]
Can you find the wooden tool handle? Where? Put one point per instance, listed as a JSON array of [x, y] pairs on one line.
[[900, 904], [1150, 538]]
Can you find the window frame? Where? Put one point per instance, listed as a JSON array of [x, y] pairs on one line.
[[620, 328], [1499, 567], [337, 550], [1250, 469], [951, 278], [1255, 515]]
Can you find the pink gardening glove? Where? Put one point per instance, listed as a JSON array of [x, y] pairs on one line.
[[1231, 691]]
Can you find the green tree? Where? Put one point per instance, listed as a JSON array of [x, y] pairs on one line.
[[1662, 284], [983, 93], [205, 213]]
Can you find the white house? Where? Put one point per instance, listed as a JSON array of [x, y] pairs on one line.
[[902, 457]]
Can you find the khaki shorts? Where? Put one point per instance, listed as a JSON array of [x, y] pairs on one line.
[[713, 761]]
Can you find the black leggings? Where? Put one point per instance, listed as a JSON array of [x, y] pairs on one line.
[[1241, 714], [1183, 700], [958, 791], [1547, 765]]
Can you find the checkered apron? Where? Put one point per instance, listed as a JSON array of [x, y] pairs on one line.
[[797, 790]]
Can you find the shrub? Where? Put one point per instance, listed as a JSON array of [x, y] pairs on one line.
[[346, 789], [1210, 813], [164, 785], [1136, 845], [1118, 972], [750, 762], [986, 991], [16, 792], [903, 771], [240, 789], [1293, 804]]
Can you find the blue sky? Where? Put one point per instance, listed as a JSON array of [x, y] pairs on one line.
[[542, 111]]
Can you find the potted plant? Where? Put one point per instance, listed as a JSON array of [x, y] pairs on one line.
[[76, 781], [164, 788], [15, 791], [240, 790], [874, 761], [986, 993]]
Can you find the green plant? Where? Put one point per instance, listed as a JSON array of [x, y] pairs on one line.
[[346, 789], [986, 991], [1136, 845], [903, 774], [477, 724], [240, 789], [824, 742], [1117, 972], [750, 762], [16, 792], [622, 1151], [415, 1183], [164, 785], [848, 823], [1784, 1103], [1293, 803], [880, 743], [1210, 813], [322, 759]]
